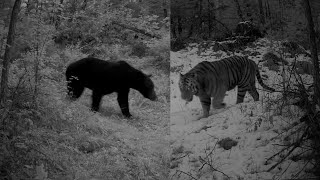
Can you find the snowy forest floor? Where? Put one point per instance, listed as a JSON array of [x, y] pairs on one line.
[[255, 131]]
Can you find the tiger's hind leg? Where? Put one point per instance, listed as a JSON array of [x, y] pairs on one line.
[[205, 103], [241, 93], [254, 93]]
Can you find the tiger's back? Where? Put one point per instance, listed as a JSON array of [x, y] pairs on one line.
[[212, 79]]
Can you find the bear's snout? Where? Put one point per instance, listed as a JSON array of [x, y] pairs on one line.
[[153, 97]]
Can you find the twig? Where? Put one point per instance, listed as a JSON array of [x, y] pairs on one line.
[[287, 131], [302, 168], [213, 148], [223, 25], [285, 170], [278, 153], [294, 147], [182, 156], [181, 172], [210, 165]]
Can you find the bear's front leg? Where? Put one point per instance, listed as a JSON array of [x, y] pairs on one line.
[[123, 102], [96, 99]]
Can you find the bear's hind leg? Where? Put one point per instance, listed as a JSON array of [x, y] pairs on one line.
[[96, 99], [123, 102]]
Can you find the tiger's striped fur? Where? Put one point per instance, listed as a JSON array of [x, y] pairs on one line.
[[213, 79]]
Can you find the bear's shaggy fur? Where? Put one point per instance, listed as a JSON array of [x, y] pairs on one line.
[[105, 77]]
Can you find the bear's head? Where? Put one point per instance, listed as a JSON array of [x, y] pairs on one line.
[[146, 87]]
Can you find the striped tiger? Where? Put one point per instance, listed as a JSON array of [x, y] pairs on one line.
[[213, 79]]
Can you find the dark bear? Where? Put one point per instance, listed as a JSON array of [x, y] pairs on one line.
[[105, 77]]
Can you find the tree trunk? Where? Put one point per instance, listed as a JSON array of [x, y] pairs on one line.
[[58, 16], [268, 14], [164, 7], [239, 11], [190, 31], [29, 6], [84, 5], [200, 17], [165, 13], [314, 53], [37, 58], [281, 14], [6, 59], [209, 19], [173, 28], [73, 8], [179, 27], [262, 20]]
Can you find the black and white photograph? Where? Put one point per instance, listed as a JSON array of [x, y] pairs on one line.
[[159, 90], [85, 89], [244, 88]]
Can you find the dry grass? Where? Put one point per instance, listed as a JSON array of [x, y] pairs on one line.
[[58, 139]]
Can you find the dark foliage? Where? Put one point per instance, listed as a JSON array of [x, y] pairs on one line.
[[177, 44], [249, 29]]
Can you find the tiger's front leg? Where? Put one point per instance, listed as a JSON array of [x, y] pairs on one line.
[[205, 103], [217, 101]]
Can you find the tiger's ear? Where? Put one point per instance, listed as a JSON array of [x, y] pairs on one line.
[[181, 75]]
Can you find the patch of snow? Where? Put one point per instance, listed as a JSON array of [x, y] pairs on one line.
[[256, 129]]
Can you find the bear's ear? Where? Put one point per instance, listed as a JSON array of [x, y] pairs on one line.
[[149, 75]]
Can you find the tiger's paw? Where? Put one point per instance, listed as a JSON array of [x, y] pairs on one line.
[[219, 106], [201, 117], [205, 115]]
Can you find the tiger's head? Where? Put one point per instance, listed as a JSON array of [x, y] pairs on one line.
[[188, 86]]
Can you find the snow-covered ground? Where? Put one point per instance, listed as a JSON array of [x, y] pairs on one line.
[[258, 128]]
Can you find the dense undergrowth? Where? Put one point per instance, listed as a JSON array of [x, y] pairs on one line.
[[48, 137], [45, 136]]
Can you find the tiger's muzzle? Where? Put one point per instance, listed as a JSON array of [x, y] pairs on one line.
[[187, 98]]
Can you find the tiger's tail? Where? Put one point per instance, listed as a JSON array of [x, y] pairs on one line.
[[261, 82]]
